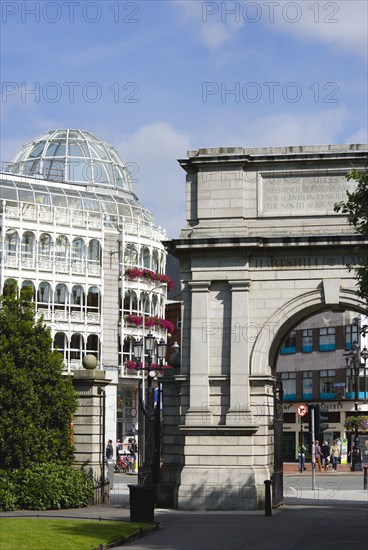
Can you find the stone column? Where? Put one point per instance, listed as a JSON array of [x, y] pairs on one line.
[[199, 412], [239, 410], [89, 430]]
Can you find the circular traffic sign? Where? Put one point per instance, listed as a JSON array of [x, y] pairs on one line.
[[301, 410]]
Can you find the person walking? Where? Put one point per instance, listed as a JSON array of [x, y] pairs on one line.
[[318, 455], [301, 457], [109, 450], [325, 450], [335, 455]]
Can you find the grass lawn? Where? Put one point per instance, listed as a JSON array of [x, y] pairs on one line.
[[61, 534]]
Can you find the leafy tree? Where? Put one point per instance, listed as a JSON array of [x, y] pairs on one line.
[[356, 208], [36, 400]]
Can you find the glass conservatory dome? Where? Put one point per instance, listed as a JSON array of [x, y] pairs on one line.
[[72, 156]]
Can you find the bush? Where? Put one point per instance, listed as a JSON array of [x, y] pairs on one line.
[[8, 492], [44, 487]]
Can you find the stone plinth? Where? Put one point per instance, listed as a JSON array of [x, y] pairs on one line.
[[89, 432]]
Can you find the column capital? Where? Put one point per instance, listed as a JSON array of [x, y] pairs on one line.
[[199, 286], [240, 285]]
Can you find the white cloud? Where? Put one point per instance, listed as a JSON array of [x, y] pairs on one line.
[[341, 24], [360, 136], [160, 184], [207, 15]]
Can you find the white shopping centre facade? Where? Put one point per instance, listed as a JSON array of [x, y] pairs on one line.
[[71, 225]]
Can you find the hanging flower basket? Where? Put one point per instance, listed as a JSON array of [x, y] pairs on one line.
[[135, 273], [132, 365], [149, 322], [359, 423]]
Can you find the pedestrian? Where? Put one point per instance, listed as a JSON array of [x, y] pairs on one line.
[[301, 456], [132, 448], [119, 447], [109, 450], [318, 454], [325, 450], [335, 455]]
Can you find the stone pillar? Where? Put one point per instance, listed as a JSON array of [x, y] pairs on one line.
[[89, 430], [239, 410], [199, 411]]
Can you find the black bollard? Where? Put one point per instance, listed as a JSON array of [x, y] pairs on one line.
[[268, 507], [365, 478]]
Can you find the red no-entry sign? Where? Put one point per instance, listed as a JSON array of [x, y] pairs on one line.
[[302, 410]]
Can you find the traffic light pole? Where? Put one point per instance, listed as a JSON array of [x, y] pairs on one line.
[[313, 450]]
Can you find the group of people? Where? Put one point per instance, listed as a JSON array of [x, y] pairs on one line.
[[122, 455], [324, 455]]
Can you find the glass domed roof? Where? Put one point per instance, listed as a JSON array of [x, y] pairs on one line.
[[72, 156]]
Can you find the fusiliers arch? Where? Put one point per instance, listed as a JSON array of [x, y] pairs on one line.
[[262, 250]]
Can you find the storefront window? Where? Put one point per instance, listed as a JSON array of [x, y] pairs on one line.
[[289, 344], [327, 339], [307, 340], [308, 385], [327, 379], [289, 385]]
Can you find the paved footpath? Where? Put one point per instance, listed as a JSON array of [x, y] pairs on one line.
[[330, 520]]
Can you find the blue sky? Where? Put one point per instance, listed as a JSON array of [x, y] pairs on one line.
[[158, 78]]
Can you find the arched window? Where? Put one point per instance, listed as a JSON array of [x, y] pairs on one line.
[[61, 344], [93, 345], [155, 262], [44, 245], [162, 263], [154, 309], [78, 249], [29, 284], [76, 346], [145, 303], [61, 248], [44, 295], [11, 242], [93, 300], [77, 298], [127, 350], [94, 251], [60, 296], [130, 255], [28, 242], [9, 286], [130, 302], [145, 257]]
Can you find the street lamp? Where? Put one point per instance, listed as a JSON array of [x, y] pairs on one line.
[[364, 356], [150, 436], [353, 359]]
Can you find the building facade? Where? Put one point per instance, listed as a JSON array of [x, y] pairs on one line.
[[313, 369], [262, 251], [72, 229]]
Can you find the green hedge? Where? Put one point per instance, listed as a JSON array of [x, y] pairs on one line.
[[44, 487]]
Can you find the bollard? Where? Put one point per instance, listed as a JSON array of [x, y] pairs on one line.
[[110, 472], [365, 478], [268, 508]]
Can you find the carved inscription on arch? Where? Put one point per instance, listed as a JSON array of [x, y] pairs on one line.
[[307, 262], [301, 195]]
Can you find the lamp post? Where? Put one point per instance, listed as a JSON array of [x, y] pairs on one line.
[[150, 433], [143, 495], [353, 359], [364, 356]]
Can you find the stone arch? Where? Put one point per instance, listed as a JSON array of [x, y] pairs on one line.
[[271, 334]]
